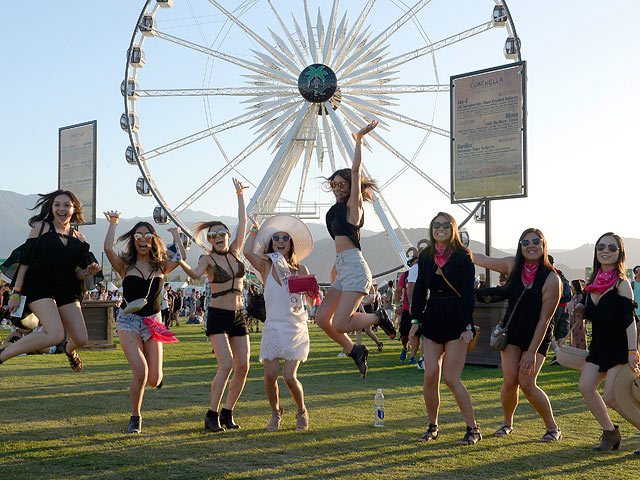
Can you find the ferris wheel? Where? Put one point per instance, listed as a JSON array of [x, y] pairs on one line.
[[270, 92]]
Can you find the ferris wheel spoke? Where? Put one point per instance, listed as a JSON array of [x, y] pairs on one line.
[[226, 91], [282, 45], [326, 130], [254, 67], [342, 50], [330, 34], [299, 33], [313, 48], [339, 35], [293, 68], [390, 114], [385, 35], [309, 148], [320, 32], [280, 132], [276, 114], [340, 131], [284, 28], [395, 89], [394, 62]]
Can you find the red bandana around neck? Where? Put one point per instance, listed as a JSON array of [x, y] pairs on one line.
[[440, 256], [603, 281], [529, 271]]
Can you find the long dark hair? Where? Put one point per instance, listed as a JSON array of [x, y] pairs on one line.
[[455, 244], [620, 268], [578, 286], [157, 252], [45, 204], [367, 185], [290, 258], [516, 273]]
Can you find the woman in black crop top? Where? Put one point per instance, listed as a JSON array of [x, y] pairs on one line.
[[141, 265], [350, 276], [529, 332], [609, 307], [226, 322], [50, 266]]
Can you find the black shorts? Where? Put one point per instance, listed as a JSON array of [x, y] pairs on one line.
[[37, 289], [405, 323], [233, 323]]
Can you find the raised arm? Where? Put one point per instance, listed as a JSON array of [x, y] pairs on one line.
[[241, 231], [197, 272], [502, 265], [115, 260], [354, 203], [257, 260], [169, 266]]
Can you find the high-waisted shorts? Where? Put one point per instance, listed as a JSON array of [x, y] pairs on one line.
[[133, 323], [352, 272], [233, 323]]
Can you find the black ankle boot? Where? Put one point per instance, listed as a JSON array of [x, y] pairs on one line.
[[226, 419], [135, 424], [359, 353], [212, 422]]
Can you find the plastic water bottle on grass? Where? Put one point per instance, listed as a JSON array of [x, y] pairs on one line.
[[378, 406]]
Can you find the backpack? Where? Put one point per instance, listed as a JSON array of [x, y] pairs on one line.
[[565, 297]]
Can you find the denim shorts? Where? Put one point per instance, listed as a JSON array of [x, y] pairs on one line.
[[352, 272], [133, 323]]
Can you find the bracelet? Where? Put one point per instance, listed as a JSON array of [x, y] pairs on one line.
[[238, 192], [356, 139], [16, 289], [255, 234]]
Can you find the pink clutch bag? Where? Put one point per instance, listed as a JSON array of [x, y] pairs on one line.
[[303, 284]]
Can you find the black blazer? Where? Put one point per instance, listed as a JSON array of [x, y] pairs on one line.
[[459, 271]]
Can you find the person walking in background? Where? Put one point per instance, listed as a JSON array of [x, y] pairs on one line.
[[275, 250], [350, 276], [48, 269], [226, 322], [445, 276], [166, 306], [176, 308], [614, 341], [577, 325], [533, 291], [404, 292]]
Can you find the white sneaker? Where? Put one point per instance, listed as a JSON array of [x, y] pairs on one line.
[[342, 354], [420, 364]]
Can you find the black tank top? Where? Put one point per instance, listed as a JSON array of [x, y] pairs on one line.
[[134, 287], [337, 224]]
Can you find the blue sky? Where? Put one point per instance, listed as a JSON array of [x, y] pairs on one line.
[[64, 62]]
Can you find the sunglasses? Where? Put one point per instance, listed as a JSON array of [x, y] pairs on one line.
[[337, 184], [612, 247], [140, 236], [285, 238], [446, 225], [218, 233], [533, 241]]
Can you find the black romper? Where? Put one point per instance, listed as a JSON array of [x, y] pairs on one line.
[[525, 320], [52, 267], [609, 321]]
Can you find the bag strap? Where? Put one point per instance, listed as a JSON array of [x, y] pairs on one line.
[[445, 279], [526, 287]]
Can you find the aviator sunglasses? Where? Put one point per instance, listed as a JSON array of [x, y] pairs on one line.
[[285, 238], [337, 184], [446, 225], [534, 241], [218, 233], [140, 236], [612, 247]]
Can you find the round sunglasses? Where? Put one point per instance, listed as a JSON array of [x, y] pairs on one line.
[[140, 236], [612, 247], [276, 238], [534, 241], [446, 225], [333, 184], [217, 233]]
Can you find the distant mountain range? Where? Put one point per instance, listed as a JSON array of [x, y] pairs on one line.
[[14, 213]]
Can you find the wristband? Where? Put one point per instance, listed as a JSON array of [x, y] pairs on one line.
[[255, 234], [16, 290], [240, 190], [469, 327]]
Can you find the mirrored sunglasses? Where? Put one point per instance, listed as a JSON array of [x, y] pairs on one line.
[[337, 184], [140, 236], [217, 233], [285, 238], [534, 241], [446, 225], [612, 247]]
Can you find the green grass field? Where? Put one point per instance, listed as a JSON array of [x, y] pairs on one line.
[[56, 424]]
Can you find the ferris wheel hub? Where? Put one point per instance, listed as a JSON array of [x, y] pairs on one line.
[[317, 83]]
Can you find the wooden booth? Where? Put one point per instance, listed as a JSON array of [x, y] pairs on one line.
[[98, 316]]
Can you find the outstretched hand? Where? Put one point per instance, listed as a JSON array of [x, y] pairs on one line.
[[363, 131], [112, 214], [239, 187]]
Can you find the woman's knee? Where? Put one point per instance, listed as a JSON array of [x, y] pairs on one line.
[[140, 375], [225, 367], [452, 381], [241, 368], [290, 378]]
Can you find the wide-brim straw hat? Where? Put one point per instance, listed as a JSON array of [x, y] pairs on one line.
[[293, 226], [572, 357], [627, 394]]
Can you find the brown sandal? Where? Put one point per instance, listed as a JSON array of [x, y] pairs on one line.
[[74, 360]]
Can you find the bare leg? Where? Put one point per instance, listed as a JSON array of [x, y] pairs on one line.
[[536, 396], [325, 316], [222, 351], [52, 332], [590, 378], [131, 344], [455, 357], [73, 322], [240, 349], [152, 350], [509, 391], [271, 369], [432, 370], [371, 335], [346, 319], [290, 375]]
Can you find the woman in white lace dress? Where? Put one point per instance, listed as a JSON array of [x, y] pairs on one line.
[[274, 251]]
